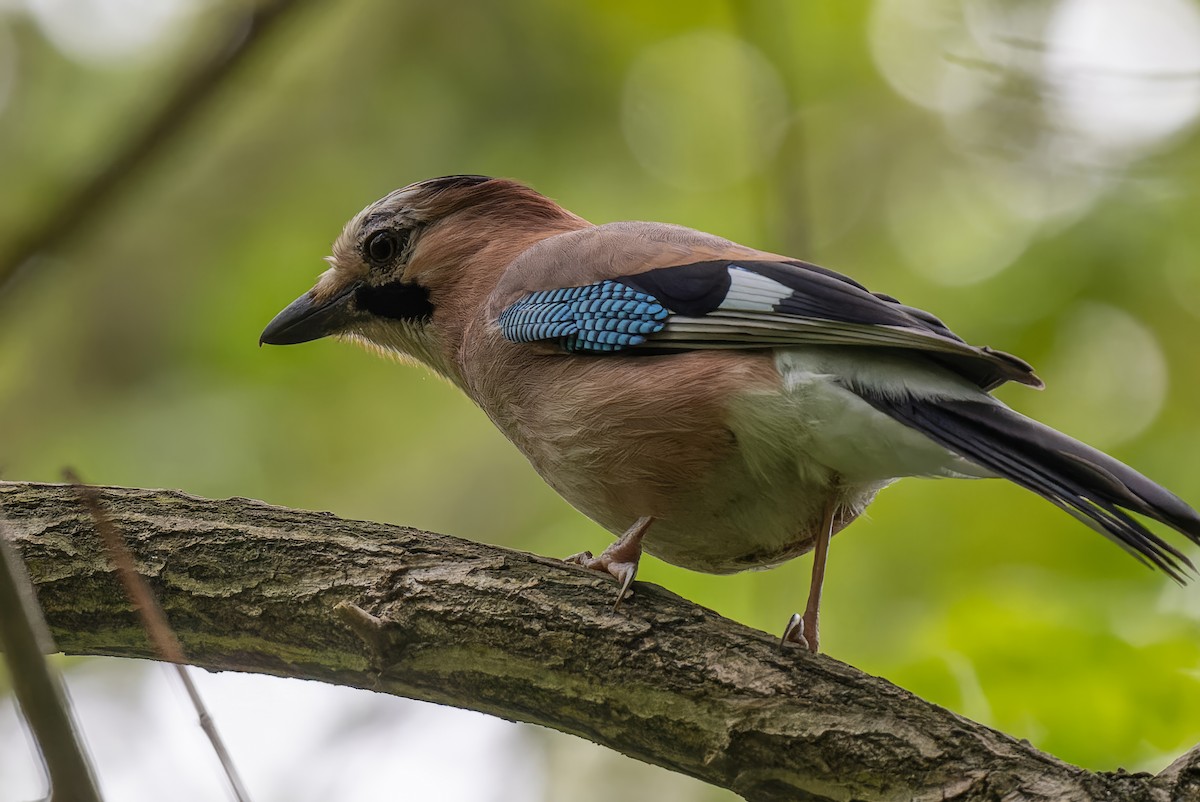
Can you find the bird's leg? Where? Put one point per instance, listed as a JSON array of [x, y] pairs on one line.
[[620, 559], [804, 630]]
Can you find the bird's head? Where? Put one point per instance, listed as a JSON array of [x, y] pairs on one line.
[[410, 271]]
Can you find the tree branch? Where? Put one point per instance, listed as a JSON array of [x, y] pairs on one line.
[[251, 587]]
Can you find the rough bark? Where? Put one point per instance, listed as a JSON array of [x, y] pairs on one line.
[[252, 587]]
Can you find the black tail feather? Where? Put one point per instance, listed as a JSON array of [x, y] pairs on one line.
[[1087, 483]]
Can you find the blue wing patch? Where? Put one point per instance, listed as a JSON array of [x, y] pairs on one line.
[[598, 318]]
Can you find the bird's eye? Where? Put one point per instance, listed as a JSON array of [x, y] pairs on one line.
[[383, 246]]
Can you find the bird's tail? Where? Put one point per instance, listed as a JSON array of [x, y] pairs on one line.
[[1089, 484]]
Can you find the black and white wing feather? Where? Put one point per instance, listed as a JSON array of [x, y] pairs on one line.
[[748, 303]]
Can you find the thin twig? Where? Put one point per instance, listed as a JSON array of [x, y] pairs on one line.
[[25, 638], [162, 638], [84, 204]]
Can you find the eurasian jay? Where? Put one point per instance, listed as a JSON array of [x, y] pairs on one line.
[[724, 407]]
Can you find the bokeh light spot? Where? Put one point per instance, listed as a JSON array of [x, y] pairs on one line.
[[1107, 376], [1124, 75], [923, 49], [109, 30], [948, 227], [703, 110]]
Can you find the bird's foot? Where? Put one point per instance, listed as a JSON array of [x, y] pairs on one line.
[[623, 570], [620, 559], [800, 630]]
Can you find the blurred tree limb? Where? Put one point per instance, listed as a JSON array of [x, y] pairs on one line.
[[246, 28], [250, 587], [38, 688]]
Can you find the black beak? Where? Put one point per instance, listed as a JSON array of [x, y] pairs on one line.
[[303, 320]]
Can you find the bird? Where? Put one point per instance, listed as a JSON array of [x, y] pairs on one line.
[[721, 407]]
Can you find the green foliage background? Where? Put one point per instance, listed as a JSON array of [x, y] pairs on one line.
[[129, 350]]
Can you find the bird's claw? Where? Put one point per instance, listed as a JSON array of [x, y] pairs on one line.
[[793, 634], [620, 559], [623, 571]]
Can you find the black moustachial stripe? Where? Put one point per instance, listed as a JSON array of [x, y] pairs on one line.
[[693, 290], [398, 300]]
